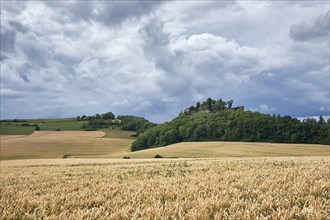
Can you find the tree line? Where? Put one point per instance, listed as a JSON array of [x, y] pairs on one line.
[[107, 120], [226, 124]]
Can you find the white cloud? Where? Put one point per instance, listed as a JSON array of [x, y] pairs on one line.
[[154, 59]]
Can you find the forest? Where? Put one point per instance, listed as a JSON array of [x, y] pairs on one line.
[[217, 120]]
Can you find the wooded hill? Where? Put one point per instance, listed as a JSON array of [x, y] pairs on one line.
[[108, 120], [219, 121]]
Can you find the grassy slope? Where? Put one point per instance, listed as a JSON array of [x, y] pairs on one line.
[[63, 125], [14, 128]]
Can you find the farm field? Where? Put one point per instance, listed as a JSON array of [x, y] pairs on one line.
[[116, 144], [61, 144], [15, 127], [12, 129], [224, 188], [232, 149], [116, 133]]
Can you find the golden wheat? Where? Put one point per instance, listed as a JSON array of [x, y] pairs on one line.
[[245, 188]]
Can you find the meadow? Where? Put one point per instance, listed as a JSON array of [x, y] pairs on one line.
[[223, 188], [14, 127]]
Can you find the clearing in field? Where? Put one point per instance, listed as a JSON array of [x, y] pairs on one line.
[[226, 188]]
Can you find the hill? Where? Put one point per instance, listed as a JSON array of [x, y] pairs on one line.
[[219, 121], [64, 144], [232, 149], [80, 123]]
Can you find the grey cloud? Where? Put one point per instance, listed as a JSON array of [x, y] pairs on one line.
[[310, 30], [153, 59], [18, 26], [74, 10], [110, 13], [8, 39], [113, 13], [13, 6], [3, 57]]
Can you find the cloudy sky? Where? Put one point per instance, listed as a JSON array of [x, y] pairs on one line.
[[153, 59]]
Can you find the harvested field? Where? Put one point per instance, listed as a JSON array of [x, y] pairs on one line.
[[233, 149], [61, 144], [116, 144], [227, 188]]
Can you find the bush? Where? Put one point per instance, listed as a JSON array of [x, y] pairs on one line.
[[158, 156], [126, 157], [57, 129]]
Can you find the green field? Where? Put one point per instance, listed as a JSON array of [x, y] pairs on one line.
[[62, 125], [12, 127]]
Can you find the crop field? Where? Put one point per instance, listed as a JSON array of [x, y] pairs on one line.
[[116, 133], [233, 149], [61, 144], [116, 144], [227, 188]]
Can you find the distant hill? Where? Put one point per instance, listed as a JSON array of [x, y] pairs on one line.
[[218, 121]]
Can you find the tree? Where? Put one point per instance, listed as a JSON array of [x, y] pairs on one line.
[[230, 103], [228, 125], [78, 118], [209, 102], [321, 120], [108, 115], [198, 105], [220, 105], [191, 109]]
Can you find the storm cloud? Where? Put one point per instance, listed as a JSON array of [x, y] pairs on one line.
[[154, 58]]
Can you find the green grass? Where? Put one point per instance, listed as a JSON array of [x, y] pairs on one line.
[[12, 127], [15, 129], [62, 125]]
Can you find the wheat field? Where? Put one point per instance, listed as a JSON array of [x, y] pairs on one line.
[[233, 149], [62, 144], [116, 144], [224, 188]]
